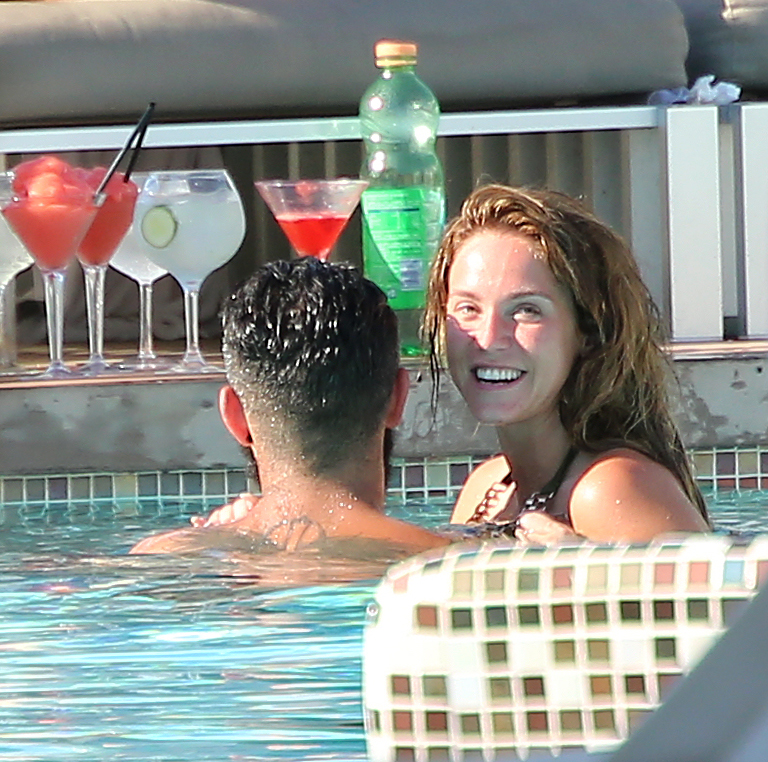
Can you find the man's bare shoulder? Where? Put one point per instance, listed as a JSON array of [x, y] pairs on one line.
[[175, 541], [288, 534], [361, 525]]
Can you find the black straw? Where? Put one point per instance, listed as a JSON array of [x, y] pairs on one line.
[[138, 135]]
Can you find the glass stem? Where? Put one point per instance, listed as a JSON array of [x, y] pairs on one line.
[[7, 354], [146, 349], [191, 316], [94, 299], [54, 316]]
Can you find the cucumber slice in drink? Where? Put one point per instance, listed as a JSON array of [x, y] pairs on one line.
[[159, 226]]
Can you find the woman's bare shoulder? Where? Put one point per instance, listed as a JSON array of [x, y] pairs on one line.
[[625, 495], [476, 485]]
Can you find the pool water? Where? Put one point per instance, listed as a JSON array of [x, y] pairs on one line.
[[109, 657]]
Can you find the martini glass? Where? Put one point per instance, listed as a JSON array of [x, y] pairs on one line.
[[193, 222], [131, 260], [13, 259], [312, 213], [108, 228], [50, 213]]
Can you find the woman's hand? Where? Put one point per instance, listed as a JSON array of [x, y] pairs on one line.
[[226, 514], [539, 528]]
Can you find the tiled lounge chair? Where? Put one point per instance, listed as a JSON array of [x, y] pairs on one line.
[[492, 652]]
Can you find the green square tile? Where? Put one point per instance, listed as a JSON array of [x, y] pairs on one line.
[[35, 489], [500, 688], [192, 484], [148, 485], [13, 490], [80, 488], [665, 648], [496, 653], [528, 616], [461, 619], [434, 686], [528, 580], [496, 616], [103, 487], [698, 609], [214, 484], [630, 611]]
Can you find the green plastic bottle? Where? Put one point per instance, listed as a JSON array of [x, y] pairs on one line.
[[404, 204]]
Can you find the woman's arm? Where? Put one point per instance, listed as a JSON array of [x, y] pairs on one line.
[[477, 484]]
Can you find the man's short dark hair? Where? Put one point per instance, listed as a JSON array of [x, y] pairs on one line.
[[315, 345]]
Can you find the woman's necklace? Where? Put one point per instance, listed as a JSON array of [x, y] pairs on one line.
[[537, 501]]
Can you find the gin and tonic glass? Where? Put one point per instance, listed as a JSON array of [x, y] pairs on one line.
[[131, 260], [193, 222]]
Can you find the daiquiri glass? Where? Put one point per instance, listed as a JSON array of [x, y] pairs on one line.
[[50, 210], [312, 213], [14, 258], [193, 222], [107, 230]]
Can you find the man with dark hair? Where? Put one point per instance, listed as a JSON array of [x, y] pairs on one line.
[[315, 388]]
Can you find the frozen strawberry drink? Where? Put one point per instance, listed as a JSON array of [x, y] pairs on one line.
[[52, 210]]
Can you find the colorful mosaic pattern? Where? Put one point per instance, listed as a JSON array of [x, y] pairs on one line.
[[489, 651], [412, 479]]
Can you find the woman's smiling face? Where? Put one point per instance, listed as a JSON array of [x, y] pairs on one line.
[[511, 333]]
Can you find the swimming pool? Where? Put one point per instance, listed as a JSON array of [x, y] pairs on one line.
[[110, 657]]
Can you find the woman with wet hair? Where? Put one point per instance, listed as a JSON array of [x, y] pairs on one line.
[[539, 313]]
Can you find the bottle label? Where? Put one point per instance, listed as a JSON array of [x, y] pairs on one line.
[[396, 250]]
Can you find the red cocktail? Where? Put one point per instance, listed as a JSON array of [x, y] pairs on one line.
[[107, 230], [51, 210], [312, 213]]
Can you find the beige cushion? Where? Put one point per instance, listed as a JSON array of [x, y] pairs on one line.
[[729, 38], [74, 61]]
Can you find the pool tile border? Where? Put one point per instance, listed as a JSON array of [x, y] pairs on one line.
[[716, 469]]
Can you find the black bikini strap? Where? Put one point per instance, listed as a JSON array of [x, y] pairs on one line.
[[553, 485]]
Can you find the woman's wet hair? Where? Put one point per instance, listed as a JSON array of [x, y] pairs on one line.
[[314, 347], [618, 390]]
